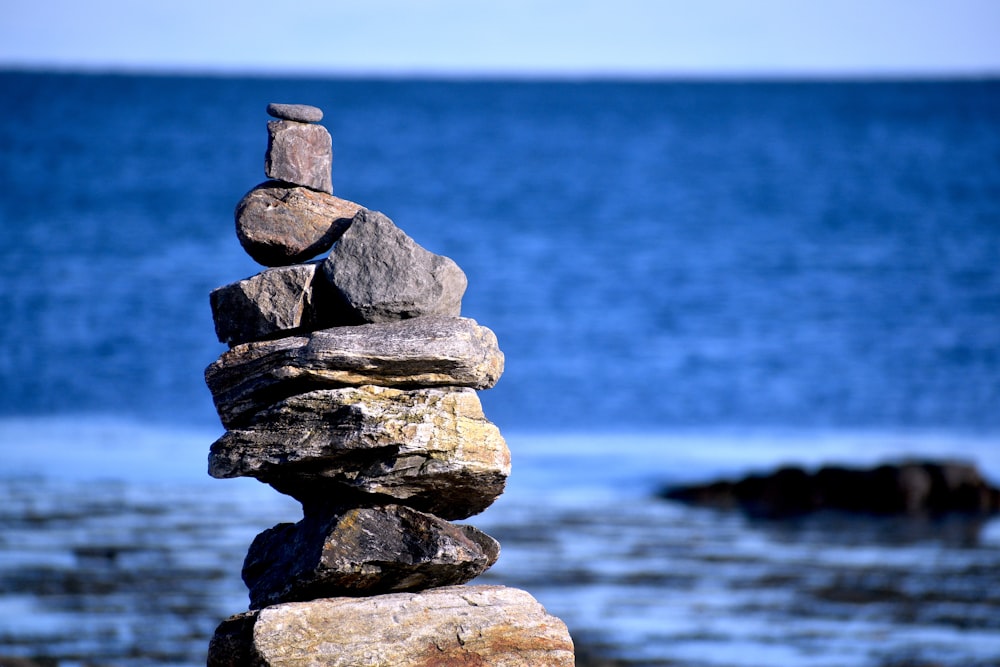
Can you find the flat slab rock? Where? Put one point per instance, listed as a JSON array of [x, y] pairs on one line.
[[467, 626], [280, 301], [299, 153], [280, 224], [384, 275], [363, 551], [303, 113], [421, 352], [432, 449]]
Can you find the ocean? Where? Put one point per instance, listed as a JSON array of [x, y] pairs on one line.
[[688, 279]]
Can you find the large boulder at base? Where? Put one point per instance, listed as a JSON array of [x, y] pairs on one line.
[[363, 551], [384, 275], [909, 488], [481, 626], [432, 449], [299, 153], [426, 351], [280, 301], [280, 224]]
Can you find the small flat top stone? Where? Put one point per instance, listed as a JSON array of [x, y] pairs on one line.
[[302, 113]]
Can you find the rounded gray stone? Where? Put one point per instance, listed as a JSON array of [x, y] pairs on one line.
[[302, 113]]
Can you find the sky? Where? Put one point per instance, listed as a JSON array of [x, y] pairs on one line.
[[509, 37]]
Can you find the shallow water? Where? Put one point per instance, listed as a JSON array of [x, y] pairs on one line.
[[103, 562]]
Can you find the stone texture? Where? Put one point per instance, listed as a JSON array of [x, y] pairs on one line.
[[363, 551], [909, 488], [278, 224], [385, 275], [459, 626], [280, 301], [426, 351], [432, 449], [302, 113], [299, 153]]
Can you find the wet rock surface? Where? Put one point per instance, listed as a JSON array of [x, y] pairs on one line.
[[909, 488], [464, 625]]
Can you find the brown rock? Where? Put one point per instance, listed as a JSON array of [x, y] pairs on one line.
[[432, 449], [299, 153], [363, 551], [280, 224], [460, 626], [280, 301], [425, 351]]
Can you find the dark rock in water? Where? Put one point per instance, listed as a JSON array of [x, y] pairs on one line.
[[909, 488], [299, 153], [458, 626], [363, 551], [281, 301], [385, 275], [431, 449], [280, 224], [302, 113], [426, 351]]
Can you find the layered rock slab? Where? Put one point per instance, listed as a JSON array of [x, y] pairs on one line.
[[279, 301], [481, 626], [432, 449], [422, 352], [363, 551], [299, 153], [280, 224], [384, 275]]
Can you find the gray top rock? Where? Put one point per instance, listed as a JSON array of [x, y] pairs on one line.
[[302, 113]]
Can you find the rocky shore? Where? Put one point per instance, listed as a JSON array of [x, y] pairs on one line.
[[350, 385], [908, 488]]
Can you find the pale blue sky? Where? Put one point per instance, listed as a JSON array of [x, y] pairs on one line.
[[530, 37]]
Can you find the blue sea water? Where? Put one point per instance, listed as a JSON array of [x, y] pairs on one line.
[[687, 278]]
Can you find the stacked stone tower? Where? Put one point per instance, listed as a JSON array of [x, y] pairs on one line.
[[350, 384]]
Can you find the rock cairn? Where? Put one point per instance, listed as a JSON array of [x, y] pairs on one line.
[[350, 385]]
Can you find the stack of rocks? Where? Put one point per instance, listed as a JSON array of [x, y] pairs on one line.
[[350, 385]]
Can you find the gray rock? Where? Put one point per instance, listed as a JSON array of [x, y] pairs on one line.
[[422, 352], [385, 275], [303, 113], [481, 626], [278, 224], [280, 301], [431, 449], [363, 551], [299, 153]]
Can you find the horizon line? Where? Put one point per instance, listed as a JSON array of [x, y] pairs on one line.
[[788, 75]]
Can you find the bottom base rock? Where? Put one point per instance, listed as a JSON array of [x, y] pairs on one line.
[[460, 626]]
